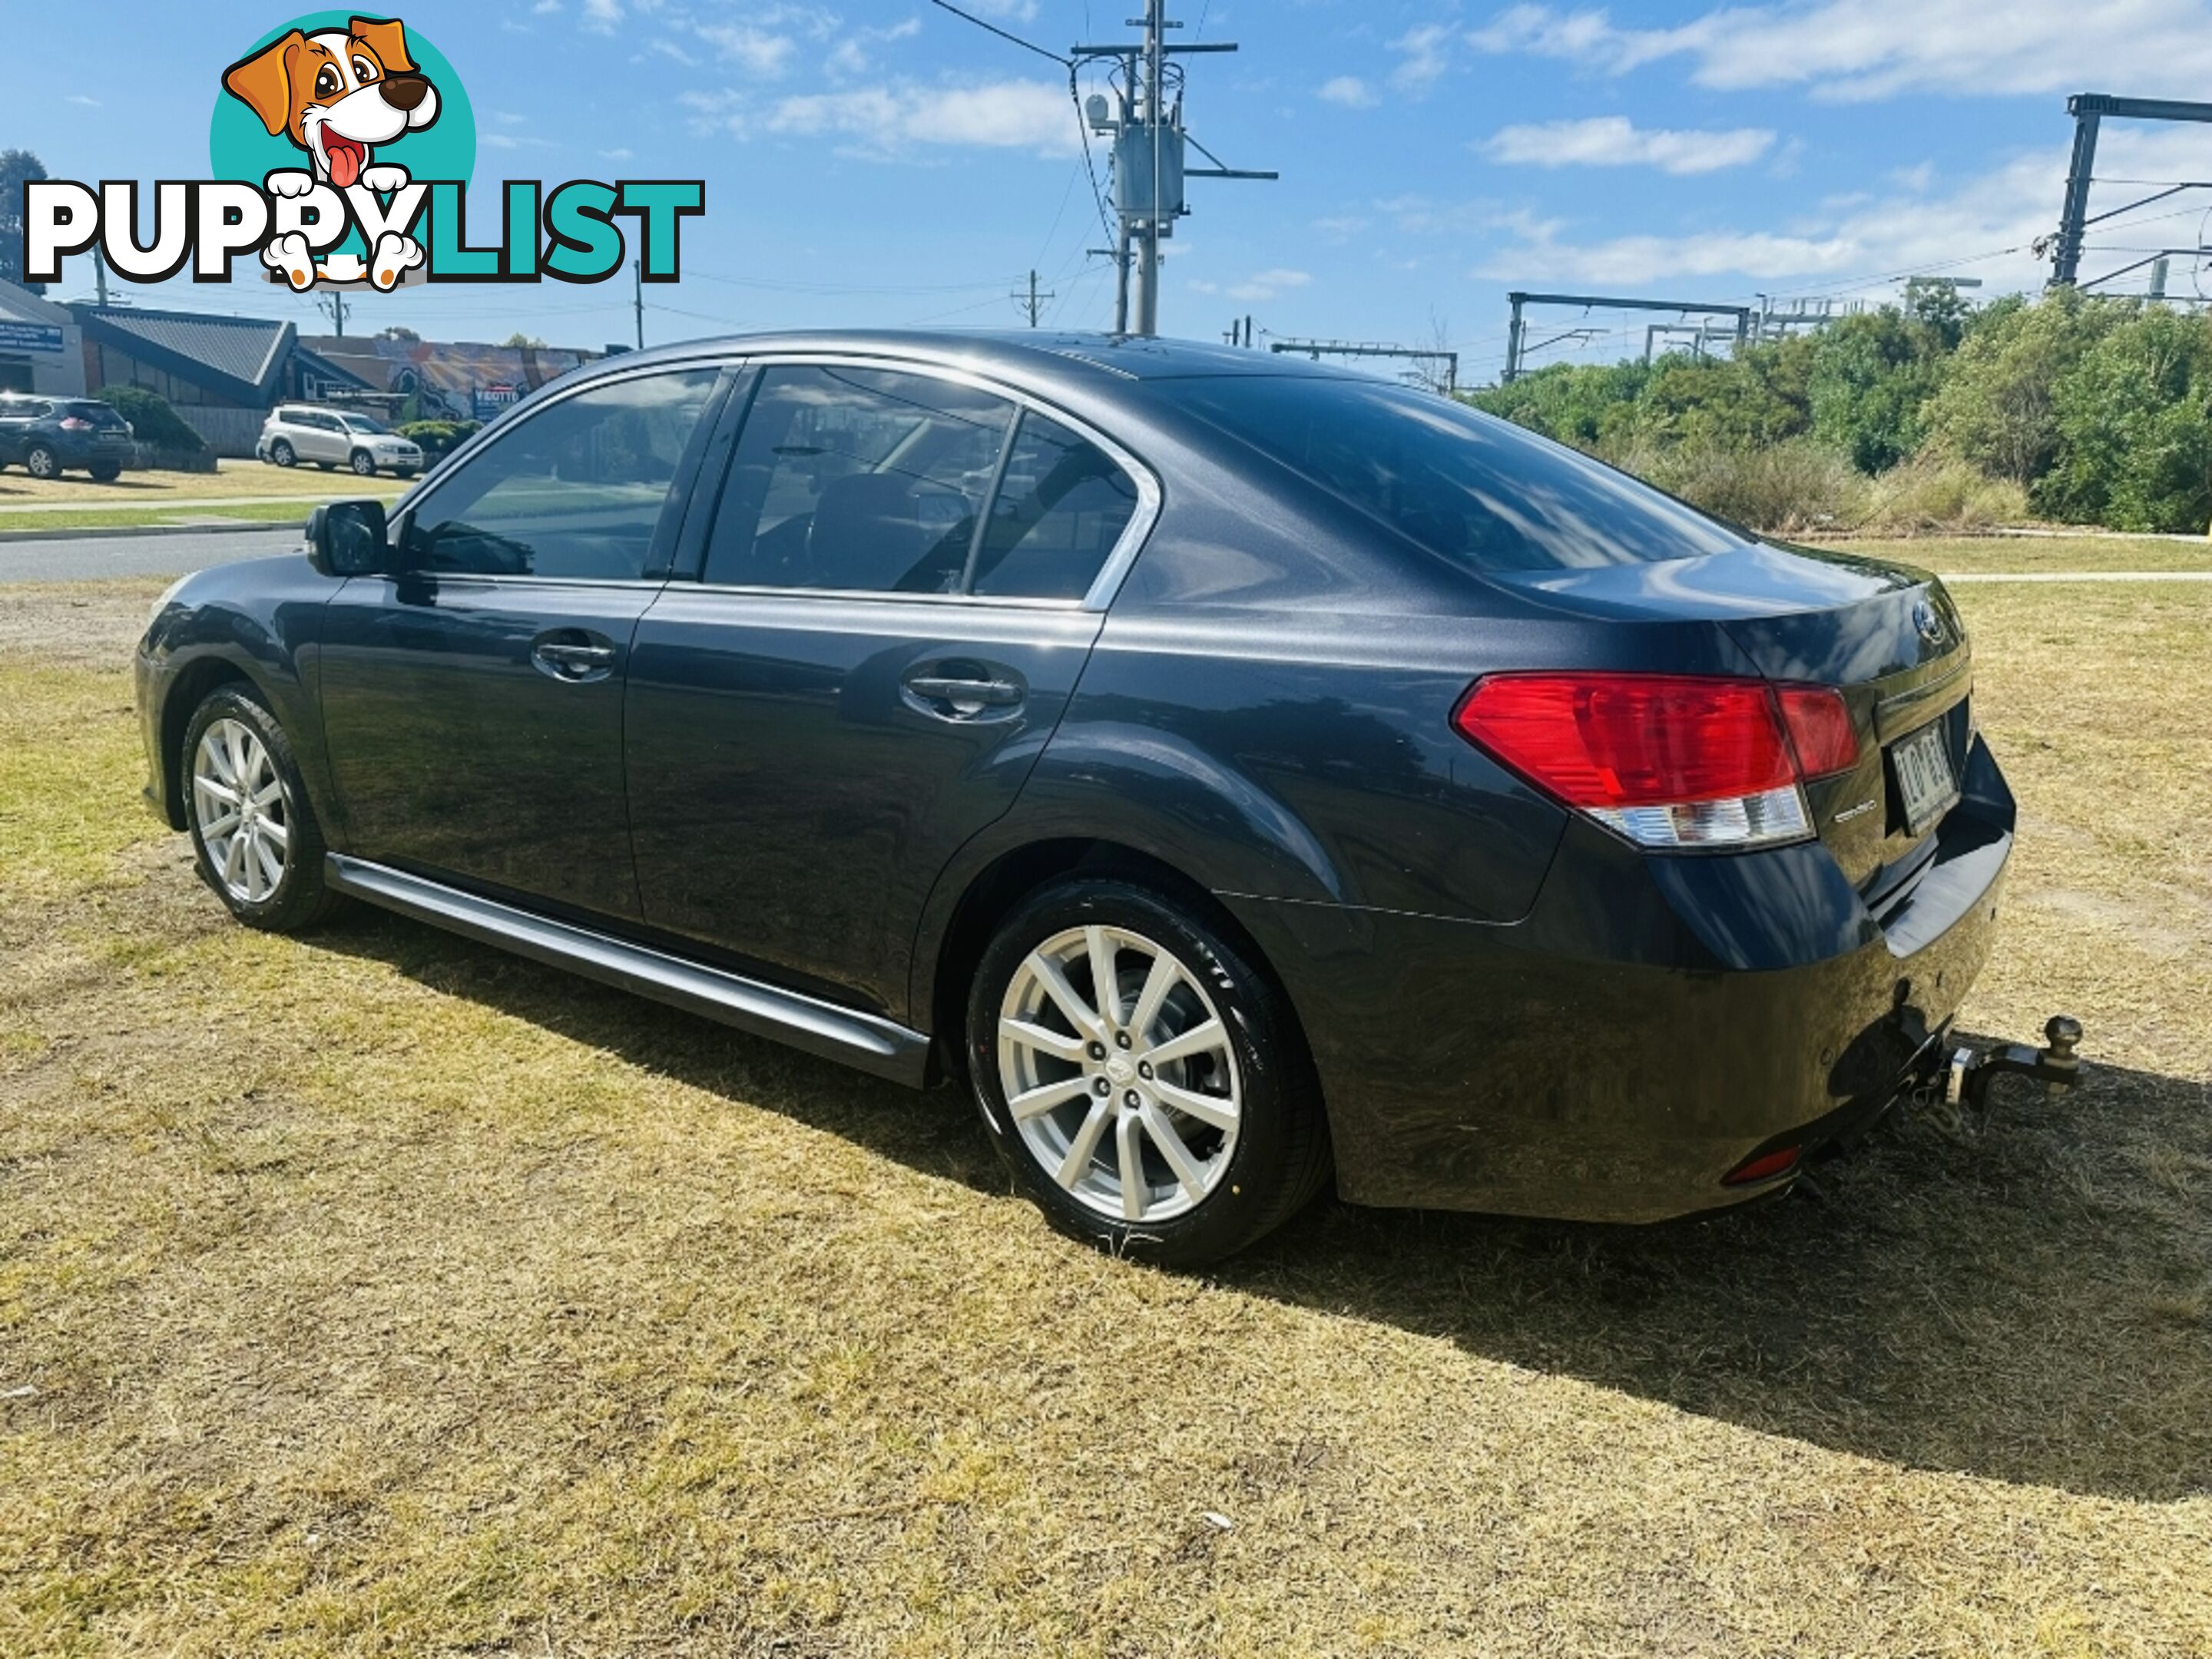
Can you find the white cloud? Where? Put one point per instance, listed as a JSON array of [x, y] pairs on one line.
[[888, 119], [546, 8], [1020, 10], [1613, 141], [1261, 285], [79, 98], [1847, 50], [1424, 56], [756, 51], [614, 154], [600, 16], [851, 55], [1348, 91], [1860, 238]]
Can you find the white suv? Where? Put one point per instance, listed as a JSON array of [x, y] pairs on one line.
[[333, 437]]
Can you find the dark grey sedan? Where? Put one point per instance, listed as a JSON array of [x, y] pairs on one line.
[[1236, 772]]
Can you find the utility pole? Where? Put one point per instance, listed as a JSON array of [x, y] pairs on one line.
[[1516, 350], [2088, 109], [1145, 122], [99, 275], [637, 271], [333, 306], [1032, 302]]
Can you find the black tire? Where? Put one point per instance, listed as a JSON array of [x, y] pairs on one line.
[[107, 472], [363, 464], [1280, 1158], [299, 899], [327, 466], [280, 454], [404, 473], [40, 461]]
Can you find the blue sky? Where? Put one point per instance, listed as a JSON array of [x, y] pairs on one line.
[[880, 162]]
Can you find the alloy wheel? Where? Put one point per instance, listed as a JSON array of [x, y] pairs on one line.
[[240, 804], [39, 463], [1119, 1074]]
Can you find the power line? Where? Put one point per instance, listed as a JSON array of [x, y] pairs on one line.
[[1026, 45]]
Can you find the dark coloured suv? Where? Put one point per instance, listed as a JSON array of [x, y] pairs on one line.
[[46, 436], [1235, 770]]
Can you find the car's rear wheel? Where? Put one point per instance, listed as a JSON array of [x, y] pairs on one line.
[[41, 462], [253, 833], [280, 453], [107, 472], [1146, 1084], [363, 464]]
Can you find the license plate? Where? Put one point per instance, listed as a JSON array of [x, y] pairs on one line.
[[1926, 785]]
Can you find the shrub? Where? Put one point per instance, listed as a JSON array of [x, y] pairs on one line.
[[153, 421], [1930, 493], [1796, 485], [439, 439]]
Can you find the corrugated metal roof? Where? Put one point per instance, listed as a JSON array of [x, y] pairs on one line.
[[21, 302], [249, 349]]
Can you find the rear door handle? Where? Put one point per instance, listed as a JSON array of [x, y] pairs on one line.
[[573, 660]]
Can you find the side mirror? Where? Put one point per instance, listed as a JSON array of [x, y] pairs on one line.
[[348, 538]]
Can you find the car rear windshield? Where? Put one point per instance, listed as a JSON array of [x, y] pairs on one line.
[[1476, 489], [98, 413]]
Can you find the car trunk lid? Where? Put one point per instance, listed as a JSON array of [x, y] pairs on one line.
[[1885, 635]]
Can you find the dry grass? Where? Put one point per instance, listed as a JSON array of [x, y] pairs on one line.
[[230, 479], [374, 1293], [2029, 554]]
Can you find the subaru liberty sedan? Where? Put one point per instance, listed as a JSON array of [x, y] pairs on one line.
[[1239, 774]]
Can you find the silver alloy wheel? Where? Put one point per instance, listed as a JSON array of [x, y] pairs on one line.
[[243, 814], [39, 462], [1146, 1058]]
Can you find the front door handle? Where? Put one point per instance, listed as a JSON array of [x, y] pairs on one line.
[[573, 661], [989, 694]]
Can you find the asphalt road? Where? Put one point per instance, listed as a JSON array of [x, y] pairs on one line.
[[33, 559]]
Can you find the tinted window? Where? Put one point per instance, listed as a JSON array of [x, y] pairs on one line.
[[1060, 508], [576, 491], [362, 424], [1477, 491], [857, 478]]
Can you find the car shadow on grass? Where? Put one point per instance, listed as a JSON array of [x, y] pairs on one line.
[[2026, 1296]]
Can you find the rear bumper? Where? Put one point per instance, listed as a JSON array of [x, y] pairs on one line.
[[1653, 1022]]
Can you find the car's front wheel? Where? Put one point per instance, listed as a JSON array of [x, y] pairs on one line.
[[1145, 1082], [280, 453], [41, 462], [363, 464], [254, 835]]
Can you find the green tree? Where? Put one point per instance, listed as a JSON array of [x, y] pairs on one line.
[[17, 169], [1871, 375], [1995, 409], [2135, 435]]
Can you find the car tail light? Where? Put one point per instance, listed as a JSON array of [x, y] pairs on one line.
[[75, 423], [1764, 1167], [1668, 759]]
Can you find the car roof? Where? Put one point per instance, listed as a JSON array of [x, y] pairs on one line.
[[1037, 358]]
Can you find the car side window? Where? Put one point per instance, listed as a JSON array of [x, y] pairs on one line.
[[857, 479], [1060, 511], [576, 491]]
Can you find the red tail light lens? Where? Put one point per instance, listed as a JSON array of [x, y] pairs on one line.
[[1821, 729], [1668, 760], [1761, 1169]]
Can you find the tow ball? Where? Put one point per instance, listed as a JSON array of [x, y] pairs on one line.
[[1967, 1079]]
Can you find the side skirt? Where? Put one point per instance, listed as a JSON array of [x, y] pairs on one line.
[[872, 1044]]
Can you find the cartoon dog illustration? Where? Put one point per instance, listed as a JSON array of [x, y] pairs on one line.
[[337, 94]]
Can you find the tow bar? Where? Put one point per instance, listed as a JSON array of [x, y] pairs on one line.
[[1967, 1079]]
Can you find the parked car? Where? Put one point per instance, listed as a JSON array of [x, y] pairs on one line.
[[47, 436], [1233, 770], [336, 437]]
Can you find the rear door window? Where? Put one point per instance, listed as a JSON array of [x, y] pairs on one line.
[[1061, 508], [857, 479]]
